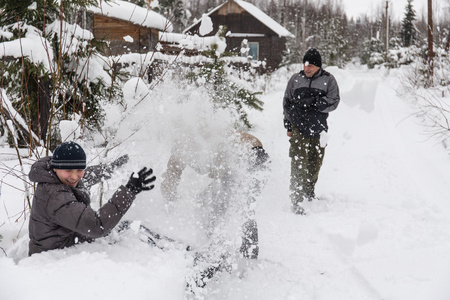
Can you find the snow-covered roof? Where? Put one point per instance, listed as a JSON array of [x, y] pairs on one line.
[[264, 18], [132, 13], [258, 14]]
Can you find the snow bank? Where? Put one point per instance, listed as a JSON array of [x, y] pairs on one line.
[[32, 46], [192, 41]]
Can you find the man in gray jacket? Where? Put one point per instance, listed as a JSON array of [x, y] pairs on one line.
[[61, 215], [310, 95]]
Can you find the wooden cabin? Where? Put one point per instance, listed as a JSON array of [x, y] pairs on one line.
[[248, 28], [127, 27]]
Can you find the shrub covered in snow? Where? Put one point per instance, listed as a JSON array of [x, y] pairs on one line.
[[53, 69], [428, 88]]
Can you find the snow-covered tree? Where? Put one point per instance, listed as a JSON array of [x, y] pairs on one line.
[[142, 3], [372, 52], [48, 66], [174, 11], [409, 30], [225, 92], [333, 42]]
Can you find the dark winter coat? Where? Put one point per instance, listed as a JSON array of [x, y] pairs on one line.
[[307, 102], [61, 215]]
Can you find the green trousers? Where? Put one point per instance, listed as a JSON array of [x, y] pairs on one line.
[[306, 160]]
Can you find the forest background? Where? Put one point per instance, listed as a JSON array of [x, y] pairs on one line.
[[341, 38]]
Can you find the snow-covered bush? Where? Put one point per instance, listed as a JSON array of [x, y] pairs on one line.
[[429, 91], [223, 89], [374, 54], [371, 54], [52, 69], [376, 58]]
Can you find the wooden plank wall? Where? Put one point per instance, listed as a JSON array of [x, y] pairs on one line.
[[114, 30]]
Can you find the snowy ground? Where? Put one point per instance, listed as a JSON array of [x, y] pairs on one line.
[[380, 232]]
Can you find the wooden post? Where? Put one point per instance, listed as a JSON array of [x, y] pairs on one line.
[[447, 45], [430, 36], [387, 25]]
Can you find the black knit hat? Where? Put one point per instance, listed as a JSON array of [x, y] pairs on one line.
[[313, 57], [68, 156]]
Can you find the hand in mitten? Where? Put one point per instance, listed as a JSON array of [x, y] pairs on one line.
[[308, 102], [321, 104], [141, 183]]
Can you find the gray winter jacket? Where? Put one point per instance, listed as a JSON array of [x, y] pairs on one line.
[[307, 102], [61, 215]]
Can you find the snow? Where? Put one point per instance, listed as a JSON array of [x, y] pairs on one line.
[[206, 25], [8, 107], [229, 34], [132, 13], [379, 232], [70, 30], [70, 129], [38, 50], [128, 39], [186, 41], [32, 46]]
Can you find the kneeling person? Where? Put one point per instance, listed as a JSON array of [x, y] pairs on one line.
[[61, 215]]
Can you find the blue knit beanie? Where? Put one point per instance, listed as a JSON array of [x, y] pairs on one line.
[[68, 156]]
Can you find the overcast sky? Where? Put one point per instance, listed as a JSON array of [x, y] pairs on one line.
[[355, 8]]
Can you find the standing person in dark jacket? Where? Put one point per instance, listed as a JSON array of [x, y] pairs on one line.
[[310, 95], [61, 215]]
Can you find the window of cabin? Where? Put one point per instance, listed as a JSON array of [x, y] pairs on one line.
[[253, 51], [89, 21], [84, 19], [154, 34]]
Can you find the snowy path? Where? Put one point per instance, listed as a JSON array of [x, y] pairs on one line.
[[381, 231]]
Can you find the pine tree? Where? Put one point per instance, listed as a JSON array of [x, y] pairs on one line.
[[408, 30], [332, 29], [174, 11], [223, 91], [372, 52], [141, 3]]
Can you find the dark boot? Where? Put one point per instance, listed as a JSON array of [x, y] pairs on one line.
[[249, 247]]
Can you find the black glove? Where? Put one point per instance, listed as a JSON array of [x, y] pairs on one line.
[[139, 184], [308, 102], [321, 104]]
